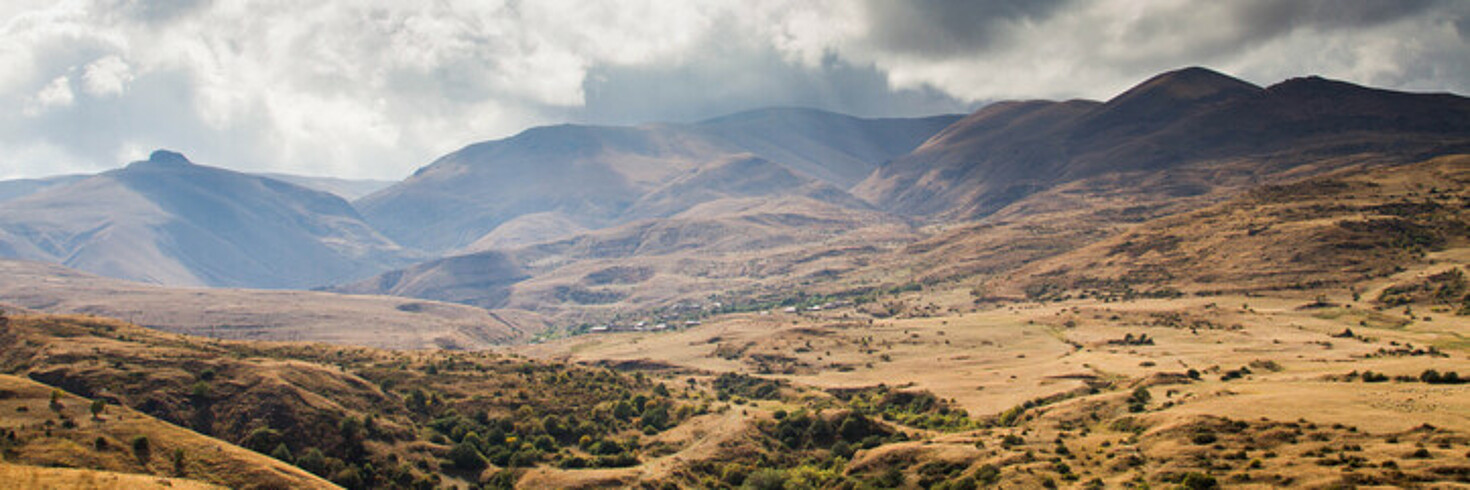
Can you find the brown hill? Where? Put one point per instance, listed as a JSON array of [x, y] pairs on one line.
[[1191, 118], [1331, 232], [50, 428], [717, 247], [362, 417]]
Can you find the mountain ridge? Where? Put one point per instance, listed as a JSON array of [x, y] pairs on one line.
[[167, 220], [593, 174], [977, 166]]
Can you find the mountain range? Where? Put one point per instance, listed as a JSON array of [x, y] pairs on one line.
[[1199, 282], [595, 176], [749, 204], [969, 200]]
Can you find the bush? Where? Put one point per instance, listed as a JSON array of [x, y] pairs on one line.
[[765, 479], [282, 453], [1435, 377], [178, 460], [466, 457], [1198, 481], [142, 448]]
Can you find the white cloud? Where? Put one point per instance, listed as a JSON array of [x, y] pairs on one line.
[[55, 94], [106, 77], [376, 88]]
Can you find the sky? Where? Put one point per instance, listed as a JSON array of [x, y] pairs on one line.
[[377, 89]]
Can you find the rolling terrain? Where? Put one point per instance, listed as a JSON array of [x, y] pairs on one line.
[[1012, 184], [715, 248]]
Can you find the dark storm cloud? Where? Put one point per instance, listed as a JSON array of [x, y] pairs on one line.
[[1265, 18], [941, 28], [738, 81]]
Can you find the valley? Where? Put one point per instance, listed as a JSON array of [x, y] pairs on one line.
[[1199, 282]]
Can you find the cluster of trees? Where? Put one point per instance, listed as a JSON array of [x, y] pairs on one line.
[[1129, 339], [841, 434], [912, 408], [1429, 376], [730, 385]]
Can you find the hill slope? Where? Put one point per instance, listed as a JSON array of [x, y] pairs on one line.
[[105, 442], [1177, 120], [18, 188], [713, 248], [169, 221], [1327, 233]]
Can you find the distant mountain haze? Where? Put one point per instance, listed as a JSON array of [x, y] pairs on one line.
[[348, 189], [596, 175], [168, 221]]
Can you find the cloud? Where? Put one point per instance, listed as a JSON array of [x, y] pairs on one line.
[[106, 77], [377, 88], [55, 94]]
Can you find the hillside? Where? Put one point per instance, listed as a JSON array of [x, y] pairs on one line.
[[720, 247], [169, 221], [362, 417], [18, 188], [1327, 233], [591, 175], [1187, 120], [244, 314], [942, 400], [45, 427]]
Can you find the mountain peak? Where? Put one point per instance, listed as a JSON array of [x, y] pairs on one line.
[[168, 157], [1192, 83], [1314, 85], [162, 159], [1165, 98]]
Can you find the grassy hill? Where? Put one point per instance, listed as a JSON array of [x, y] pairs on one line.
[[1328, 233], [47, 427]]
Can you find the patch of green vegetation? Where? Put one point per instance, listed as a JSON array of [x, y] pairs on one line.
[[729, 385], [919, 409]]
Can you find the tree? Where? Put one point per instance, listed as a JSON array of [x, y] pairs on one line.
[[656, 417], [142, 448], [97, 407], [765, 479], [282, 453], [314, 461], [466, 457], [178, 460], [1198, 481]]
